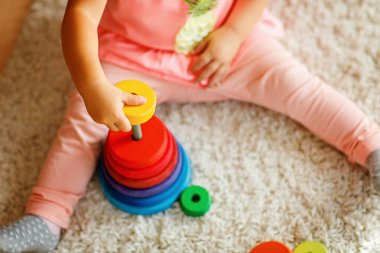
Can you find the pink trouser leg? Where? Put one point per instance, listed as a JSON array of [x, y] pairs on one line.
[[269, 76], [69, 166]]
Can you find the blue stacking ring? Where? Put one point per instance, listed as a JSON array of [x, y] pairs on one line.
[[147, 192], [183, 181]]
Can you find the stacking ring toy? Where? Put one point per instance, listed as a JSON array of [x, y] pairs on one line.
[[195, 201], [310, 247], [271, 247], [149, 210], [141, 113], [148, 192], [147, 175]]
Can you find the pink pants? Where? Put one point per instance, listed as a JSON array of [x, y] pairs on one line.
[[267, 76]]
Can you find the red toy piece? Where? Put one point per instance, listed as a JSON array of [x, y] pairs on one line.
[[143, 183], [271, 247], [147, 172], [143, 153]]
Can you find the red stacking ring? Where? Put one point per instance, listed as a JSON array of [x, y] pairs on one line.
[[171, 153], [271, 246], [142, 153], [143, 183], [125, 166]]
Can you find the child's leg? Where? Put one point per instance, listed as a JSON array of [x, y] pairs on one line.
[[69, 165], [61, 183], [269, 76]]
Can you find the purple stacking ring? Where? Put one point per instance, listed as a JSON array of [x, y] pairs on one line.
[[147, 192]]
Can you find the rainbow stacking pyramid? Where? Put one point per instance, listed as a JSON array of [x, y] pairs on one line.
[[144, 176]]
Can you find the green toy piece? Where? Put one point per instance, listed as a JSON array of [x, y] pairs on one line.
[[195, 201]]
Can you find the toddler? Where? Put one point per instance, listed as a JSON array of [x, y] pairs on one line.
[[187, 51]]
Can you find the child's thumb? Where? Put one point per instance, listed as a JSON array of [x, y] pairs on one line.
[[131, 99]]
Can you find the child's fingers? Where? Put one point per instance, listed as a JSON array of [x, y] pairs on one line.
[[202, 61], [209, 70], [131, 99], [112, 127], [218, 76], [123, 124]]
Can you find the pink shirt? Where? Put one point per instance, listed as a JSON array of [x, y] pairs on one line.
[[140, 35]]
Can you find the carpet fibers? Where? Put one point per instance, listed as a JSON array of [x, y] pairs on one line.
[[270, 178]]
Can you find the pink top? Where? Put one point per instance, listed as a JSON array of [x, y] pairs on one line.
[[140, 35]]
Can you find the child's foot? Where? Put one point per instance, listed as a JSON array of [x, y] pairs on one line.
[[373, 165], [28, 234]]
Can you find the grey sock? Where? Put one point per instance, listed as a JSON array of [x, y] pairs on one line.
[[28, 234], [373, 165]]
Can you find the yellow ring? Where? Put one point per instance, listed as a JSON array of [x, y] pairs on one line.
[[138, 114], [310, 247]]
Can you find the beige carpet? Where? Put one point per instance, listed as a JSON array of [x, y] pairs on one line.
[[273, 180]]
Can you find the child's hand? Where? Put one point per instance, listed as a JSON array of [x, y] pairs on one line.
[[216, 53], [104, 102]]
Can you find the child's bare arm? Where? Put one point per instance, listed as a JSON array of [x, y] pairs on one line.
[[103, 101], [80, 41], [217, 51], [245, 15]]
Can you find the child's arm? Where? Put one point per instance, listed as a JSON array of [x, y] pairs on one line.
[[217, 51], [80, 41], [103, 101], [245, 15], [12, 15]]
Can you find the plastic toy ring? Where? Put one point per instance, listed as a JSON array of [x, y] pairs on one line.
[[271, 246], [310, 247], [143, 153], [147, 172], [141, 113], [195, 201]]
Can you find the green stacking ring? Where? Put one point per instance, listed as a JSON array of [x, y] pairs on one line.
[[195, 201]]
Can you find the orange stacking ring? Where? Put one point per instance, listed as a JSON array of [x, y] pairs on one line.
[[170, 154], [143, 153], [143, 183], [271, 246]]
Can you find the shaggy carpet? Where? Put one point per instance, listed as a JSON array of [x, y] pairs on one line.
[[272, 180]]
